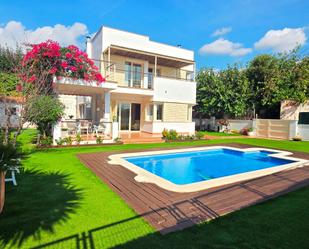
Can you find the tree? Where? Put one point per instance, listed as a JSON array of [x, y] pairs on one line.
[[44, 111], [223, 93], [38, 68]]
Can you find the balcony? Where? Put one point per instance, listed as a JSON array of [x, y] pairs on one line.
[[133, 75]]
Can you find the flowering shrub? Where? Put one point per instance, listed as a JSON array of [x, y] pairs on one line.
[[50, 59]]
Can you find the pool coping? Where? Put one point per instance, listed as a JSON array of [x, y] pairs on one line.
[[145, 176]]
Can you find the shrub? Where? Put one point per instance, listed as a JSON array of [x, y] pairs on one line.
[[165, 133], [68, 140], [60, 141], [117, 139], [199, 135], [78, 138], [244, 131], [46, 141], [234, 131], [9, 157], [99, 140], [44, 111]]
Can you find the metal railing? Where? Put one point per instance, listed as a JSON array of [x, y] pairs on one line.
[[139, 79]]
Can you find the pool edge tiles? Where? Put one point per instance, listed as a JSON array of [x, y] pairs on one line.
[[142, 175]]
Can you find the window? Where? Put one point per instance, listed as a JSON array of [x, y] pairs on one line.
[[137, 75], [159, 111], [149, 114], [127, 76], [150, 78], [133, 74]]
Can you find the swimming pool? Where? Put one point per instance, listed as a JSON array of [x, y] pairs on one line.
[[199, 168]]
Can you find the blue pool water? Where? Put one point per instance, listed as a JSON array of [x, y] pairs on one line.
[[196, 166]]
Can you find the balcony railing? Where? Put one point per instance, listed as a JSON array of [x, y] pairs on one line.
[[137, 78]]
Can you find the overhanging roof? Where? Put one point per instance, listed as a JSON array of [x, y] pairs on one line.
[[162, 60]]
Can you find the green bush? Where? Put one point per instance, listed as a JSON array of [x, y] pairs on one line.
[[60, 141], [46, 141], [68, 140], [44, 111], [199, 135], [9, 157], [78, 138], [99, 140]]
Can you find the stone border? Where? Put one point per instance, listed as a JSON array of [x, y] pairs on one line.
[[143, 175]]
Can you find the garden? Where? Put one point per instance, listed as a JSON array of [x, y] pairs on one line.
[[59, 203]]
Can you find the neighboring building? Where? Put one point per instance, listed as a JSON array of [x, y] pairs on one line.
[[289, 110], [13, 105], [149, 85]]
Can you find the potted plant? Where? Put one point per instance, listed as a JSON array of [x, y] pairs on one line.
[[250, 132], [8, 160]]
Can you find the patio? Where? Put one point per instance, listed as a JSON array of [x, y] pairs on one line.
[[169, 211]]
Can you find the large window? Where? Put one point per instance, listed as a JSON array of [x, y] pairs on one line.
[[159, 112], [133, 74], [149, 113]]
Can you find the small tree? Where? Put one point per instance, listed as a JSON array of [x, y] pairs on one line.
[[44, 111]]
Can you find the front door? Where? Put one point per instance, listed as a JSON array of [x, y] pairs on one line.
[[129, 116]]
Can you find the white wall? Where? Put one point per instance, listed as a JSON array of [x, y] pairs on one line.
[[96, 47], [158, 127], [14, 118], [303, 131], [70, 103], [139, 42], [240, 124], [173, 90]]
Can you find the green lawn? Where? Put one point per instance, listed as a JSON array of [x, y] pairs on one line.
[[220, 134], [59, 200]]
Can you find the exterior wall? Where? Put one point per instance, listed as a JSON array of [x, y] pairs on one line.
[[141, 42], [175, 112], [94, 47], [303, 131], [14, 118], [240, 124], [165, 91], [290, 111], [158, 127], [70, 103]]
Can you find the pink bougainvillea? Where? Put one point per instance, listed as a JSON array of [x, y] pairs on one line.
[[52, 59]]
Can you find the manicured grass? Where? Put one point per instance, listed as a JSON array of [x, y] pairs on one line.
[[220, 134], [59, 200]]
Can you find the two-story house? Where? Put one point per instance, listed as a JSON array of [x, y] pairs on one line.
[[149, 85]]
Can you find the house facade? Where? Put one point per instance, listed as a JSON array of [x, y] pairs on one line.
[[149, 85]]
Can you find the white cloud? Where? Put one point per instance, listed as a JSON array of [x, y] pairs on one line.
[[14, 33], [224, 47], [222, 31], [282, 40]]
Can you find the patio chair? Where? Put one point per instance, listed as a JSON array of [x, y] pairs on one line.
[[13, 178], [100, 128], [84, 125], [72, 129]]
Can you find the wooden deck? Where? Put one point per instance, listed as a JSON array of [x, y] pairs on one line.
[[168, 211]]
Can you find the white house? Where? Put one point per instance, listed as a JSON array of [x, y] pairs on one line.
[[149, 85]]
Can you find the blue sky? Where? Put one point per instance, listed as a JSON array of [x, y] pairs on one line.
[[189, 23]]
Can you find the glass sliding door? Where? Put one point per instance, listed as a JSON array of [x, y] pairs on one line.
[[129, 116], [125, 116], [137, 75], [135, 117]]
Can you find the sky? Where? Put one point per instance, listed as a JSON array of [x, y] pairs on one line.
[[220, 32]]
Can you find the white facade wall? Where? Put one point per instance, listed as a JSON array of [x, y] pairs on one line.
[[140, 42], [240, 124], [173, 90], [180, 127], [303, 131]]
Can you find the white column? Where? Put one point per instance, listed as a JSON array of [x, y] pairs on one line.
[[107, 106], [146, 74], [155, 67]]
